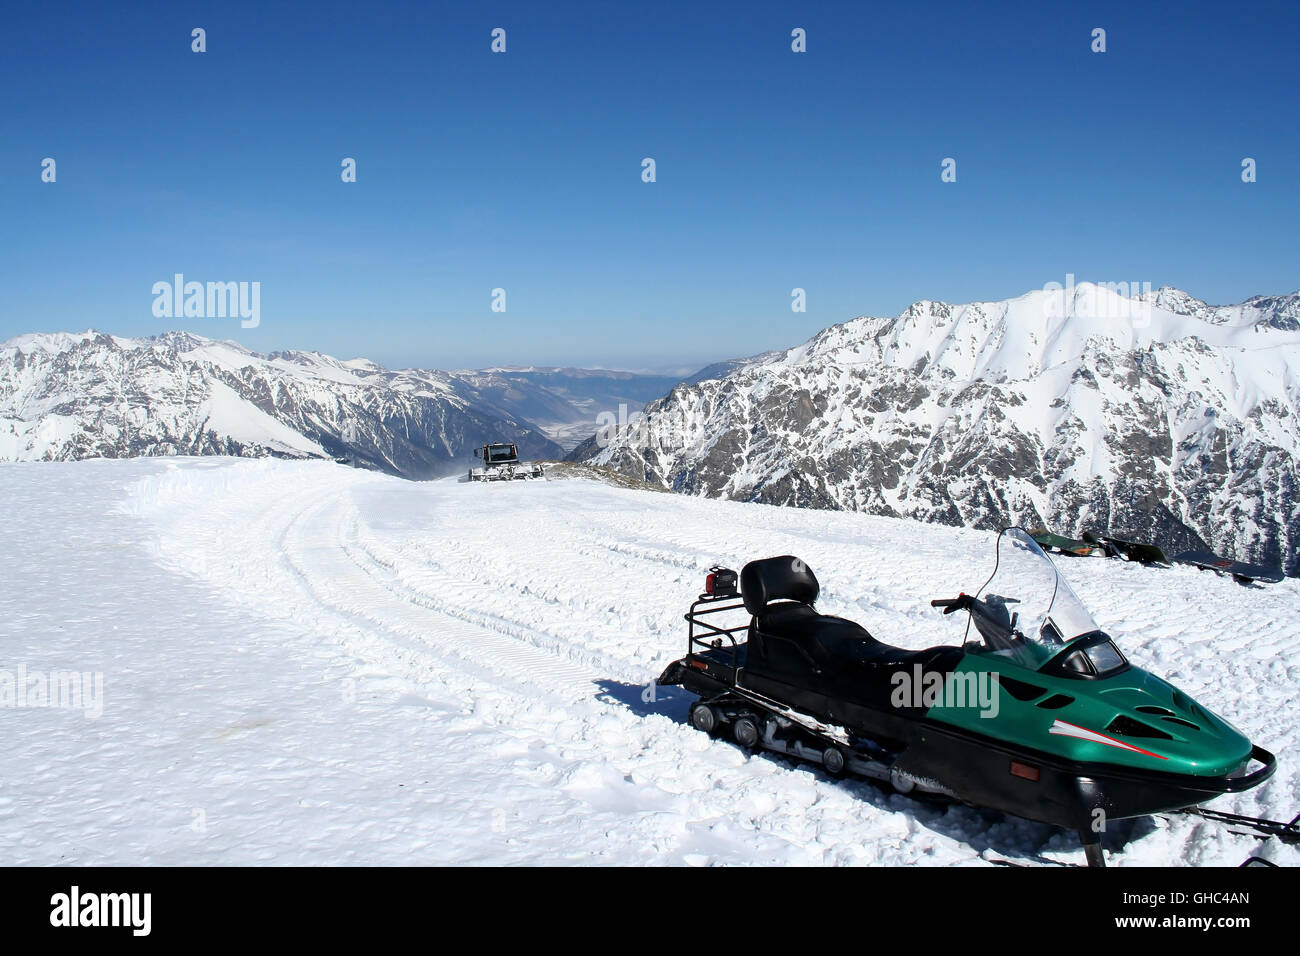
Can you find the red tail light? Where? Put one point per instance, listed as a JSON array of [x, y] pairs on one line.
[[1024, 770], [720, 583]]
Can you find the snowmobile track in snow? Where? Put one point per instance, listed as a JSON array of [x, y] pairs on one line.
[[341, 584], [467, 599]]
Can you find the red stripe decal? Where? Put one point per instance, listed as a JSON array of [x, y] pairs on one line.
[[1083, 733]]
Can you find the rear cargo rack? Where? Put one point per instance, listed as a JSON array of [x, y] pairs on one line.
[[707, 636]]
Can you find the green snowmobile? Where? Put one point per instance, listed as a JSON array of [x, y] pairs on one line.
[[1042, 716]]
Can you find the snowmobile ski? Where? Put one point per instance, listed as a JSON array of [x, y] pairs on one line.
[[1286, 832]]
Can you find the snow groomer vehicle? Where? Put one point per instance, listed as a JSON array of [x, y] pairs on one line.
[[501, 463]]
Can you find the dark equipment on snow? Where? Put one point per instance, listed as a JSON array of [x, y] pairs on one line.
[[1128, 550], [1057, 542], [1241, 573], [1071, 734]]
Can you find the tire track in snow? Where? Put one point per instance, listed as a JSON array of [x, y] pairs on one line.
[[436, 588], [317, 552], [523, 598]]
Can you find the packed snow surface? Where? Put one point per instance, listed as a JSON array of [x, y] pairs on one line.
[[307, 664]]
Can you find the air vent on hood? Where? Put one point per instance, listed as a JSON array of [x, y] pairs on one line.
[[1056, 702], [1128, 727], [1019, 689]]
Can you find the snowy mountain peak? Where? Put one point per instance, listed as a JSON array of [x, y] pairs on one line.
[[66, 396], [49, 341], [1041, 330], [1176, 301], [1158, 417], [1280, 312]]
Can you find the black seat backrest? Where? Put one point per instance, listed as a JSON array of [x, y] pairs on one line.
[[777, 579]]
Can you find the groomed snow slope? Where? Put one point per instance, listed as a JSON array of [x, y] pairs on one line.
[[306, 664]]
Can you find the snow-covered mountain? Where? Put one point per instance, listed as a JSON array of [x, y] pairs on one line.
[[93, 395], [1160, 417]]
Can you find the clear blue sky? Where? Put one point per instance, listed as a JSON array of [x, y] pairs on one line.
[[523, 171]]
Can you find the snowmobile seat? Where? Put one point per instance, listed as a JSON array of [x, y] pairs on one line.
[[777, 579], [791, 642], [837, 644]]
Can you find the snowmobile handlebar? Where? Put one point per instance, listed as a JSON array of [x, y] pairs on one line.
[[960, 603]]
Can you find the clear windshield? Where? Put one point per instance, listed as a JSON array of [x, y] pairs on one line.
[[1026, 609]]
